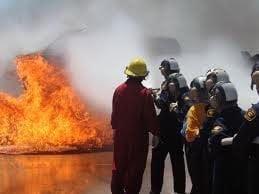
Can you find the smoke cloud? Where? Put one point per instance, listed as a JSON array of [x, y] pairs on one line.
[[199, 34]]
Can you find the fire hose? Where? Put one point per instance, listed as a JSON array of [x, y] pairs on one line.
[[65, 34]]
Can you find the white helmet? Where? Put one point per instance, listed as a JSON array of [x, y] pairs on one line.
[[178, 79], [219, 74], [171, 64], [174, 66], [223, 93], [198, 82]]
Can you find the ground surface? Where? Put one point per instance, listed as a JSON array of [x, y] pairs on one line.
[[66, 174]]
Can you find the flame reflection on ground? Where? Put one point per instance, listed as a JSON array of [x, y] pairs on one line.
[[68, 174], [55, 174]]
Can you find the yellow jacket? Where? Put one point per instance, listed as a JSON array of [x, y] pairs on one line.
[[196, 116]]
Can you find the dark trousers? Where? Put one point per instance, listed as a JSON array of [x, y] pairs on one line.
[[253, 170], [158, 164], [229, 175], [200, 168], [187, 150]]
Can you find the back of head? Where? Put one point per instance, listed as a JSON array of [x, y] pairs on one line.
[[219, 74]]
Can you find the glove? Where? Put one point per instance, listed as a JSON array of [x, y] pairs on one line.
[[256, 140], [173, 107], [226, 141], [154, 92], [155, 141]]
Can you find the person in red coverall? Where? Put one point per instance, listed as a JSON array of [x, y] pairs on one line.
[[133, 116]]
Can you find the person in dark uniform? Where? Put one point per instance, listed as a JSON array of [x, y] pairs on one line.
[[246, 142], [174, 103], [167, 67], [229, 173]]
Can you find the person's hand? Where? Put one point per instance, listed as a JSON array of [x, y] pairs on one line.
[[173, 107], [154, 92], [226, 141], [155, 141]]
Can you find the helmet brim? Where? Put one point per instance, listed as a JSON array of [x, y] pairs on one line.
[[130, 73]]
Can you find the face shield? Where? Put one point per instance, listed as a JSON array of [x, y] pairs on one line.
[[215, 98], [177, 83], [194, 94], [214, 76], [223, 95], [163, 70], [210, 81]]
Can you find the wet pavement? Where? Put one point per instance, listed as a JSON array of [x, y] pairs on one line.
[[66, 174]]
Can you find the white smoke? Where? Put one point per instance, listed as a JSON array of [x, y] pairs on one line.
[[205, 34], [97, 61]]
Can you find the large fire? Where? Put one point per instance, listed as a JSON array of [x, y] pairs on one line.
[[48, 116]]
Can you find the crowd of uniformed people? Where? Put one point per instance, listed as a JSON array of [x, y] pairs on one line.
[[201, 120]]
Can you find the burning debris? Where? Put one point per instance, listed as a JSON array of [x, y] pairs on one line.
[[48, 116]]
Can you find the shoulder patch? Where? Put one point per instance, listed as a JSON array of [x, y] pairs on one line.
[[211, 112], [217, 129], [250, 114]]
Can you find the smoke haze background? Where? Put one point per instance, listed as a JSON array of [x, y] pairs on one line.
[[200, 34]]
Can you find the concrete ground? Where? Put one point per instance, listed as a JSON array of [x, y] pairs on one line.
[[66, 174]]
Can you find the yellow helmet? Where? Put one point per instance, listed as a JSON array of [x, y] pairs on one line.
[[137, 68]]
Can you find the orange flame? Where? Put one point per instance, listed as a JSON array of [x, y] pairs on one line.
[[48, 115]]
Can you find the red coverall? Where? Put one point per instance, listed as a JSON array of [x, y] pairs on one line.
[[133, 116]]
